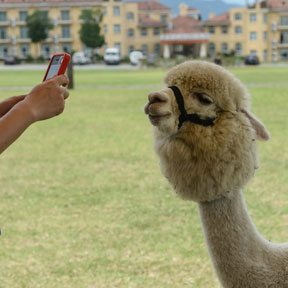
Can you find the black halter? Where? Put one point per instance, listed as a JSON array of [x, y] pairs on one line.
[[194, 118]]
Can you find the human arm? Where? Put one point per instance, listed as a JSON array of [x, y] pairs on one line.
[[45, 101], [9, 103]]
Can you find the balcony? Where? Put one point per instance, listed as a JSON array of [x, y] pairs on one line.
[[65, 40], [283, 27], [283, 45], [21, 23], [65, 22], [5, 23], [24, 40], [5, 41]]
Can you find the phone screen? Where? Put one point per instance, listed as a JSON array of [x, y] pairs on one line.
[[54, 67]]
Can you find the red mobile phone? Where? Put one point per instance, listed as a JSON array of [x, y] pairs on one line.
[[57, 65]]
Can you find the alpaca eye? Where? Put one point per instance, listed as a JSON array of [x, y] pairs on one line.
[[203, 99]]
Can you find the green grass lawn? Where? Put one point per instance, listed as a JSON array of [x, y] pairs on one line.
[[83, 203]]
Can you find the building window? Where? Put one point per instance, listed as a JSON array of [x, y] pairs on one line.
[[265, 55], [157, 49], [3, 16], [144, 32], [164, 18], [253, 52], [144, 49], [118, 46], [44, 14], [284, 37], [3, 51], [265, 18], [45, 50], [156, 31], [238, 16], [130, 16], [117, 29], [23, 16], [238, 49], [238, 29], [104, 11], [131, 49], [265, 35], [253, 36], [65, 15], [130, 32], [24, 51], [105, 29], [24, 33], [283, 54], [224, 48], [116, 11], [211, 49], [253, 17], [67, 48], [66, 31], [224, 30], [3, 33], [211, 29], [284, 20]]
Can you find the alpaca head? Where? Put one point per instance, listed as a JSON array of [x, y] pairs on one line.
[[216, 154]]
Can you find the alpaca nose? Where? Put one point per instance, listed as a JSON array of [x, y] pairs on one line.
[[157, 97]]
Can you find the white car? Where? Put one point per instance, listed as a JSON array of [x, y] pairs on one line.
[[112, 56], [80, 59]]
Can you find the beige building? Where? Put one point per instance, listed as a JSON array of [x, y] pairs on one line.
[[185, 36], [260, 29], [126, 25]]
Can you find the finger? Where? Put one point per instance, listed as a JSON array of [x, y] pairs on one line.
[[20, 97], [65, 93], [62, 80]]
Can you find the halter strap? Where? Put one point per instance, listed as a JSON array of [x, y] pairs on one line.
[[194, 118]]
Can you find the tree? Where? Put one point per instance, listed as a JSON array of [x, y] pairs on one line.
[[90, 29], [38, 25]]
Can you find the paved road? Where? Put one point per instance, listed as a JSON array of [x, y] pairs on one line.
[[76, 67]]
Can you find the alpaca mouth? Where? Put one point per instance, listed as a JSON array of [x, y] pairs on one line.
[[156, 118]]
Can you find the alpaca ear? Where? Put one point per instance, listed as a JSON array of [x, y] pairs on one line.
[[261, 131]]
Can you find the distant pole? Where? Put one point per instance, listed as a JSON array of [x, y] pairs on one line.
[[70, 73]]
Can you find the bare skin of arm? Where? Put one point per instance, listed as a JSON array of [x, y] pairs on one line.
[[17, 113]]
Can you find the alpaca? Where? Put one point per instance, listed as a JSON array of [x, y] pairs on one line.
[[205, 137]]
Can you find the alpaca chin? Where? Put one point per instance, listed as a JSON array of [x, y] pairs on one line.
[[199, 169]]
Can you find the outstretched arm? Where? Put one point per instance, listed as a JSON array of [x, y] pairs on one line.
[[45, 101]]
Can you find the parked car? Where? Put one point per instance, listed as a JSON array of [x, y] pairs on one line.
[[136, 57], [80, 58], [251, 60], [11, 60], [112, 56]]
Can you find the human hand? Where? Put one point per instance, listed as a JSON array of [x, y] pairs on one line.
[[46, 100], [8, 104]]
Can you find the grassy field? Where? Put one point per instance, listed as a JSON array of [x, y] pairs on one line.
[[82, 200]]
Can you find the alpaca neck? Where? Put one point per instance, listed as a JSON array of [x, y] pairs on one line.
[[235, 246]]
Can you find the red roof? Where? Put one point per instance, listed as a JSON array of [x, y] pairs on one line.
[[185, 24], [219, 19], [277, 3], [151, 5], [148, 22]]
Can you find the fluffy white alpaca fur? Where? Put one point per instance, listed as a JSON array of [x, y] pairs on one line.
[[210, 165]]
